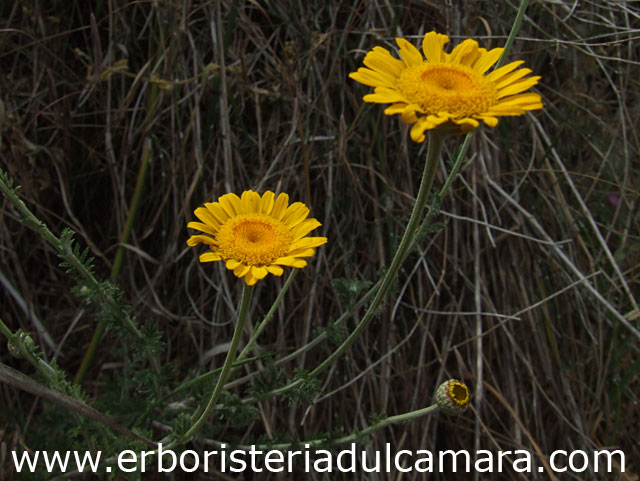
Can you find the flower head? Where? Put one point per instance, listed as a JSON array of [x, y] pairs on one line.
[[452, 397], [255, 235], [446, 88]]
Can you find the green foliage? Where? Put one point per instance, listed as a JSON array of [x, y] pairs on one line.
[[304, 392], [237, 413], [435, 227], [59, 381], [268, 379], [181, 425], [8, 182], [72, 255], [377, 418], [330, 436], [336, 333], [349, 290]]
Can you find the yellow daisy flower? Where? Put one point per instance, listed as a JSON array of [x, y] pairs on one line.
[[255, 235], [446, 88]]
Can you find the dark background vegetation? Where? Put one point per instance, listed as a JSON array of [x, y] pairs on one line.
[[234, 95]]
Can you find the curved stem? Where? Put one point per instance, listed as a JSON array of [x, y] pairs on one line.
[[267, 318], [349, 438], [87, 359], [434, 149], [247, 292], [514, 30]]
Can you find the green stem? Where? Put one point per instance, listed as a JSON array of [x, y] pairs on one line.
[[353, 437], [65, 251], [267, 318], [311, 344], [514, 30], [418, 234], [434, 150], [89, 354], [226, 367], [467, 139]]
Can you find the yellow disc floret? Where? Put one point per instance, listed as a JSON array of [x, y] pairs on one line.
[[454, 89], [253, 239]]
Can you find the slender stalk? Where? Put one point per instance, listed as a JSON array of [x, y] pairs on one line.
[[349, 438], [247, 293], [267, 318], [434, 150], [65, 251], [514, 30], [467, 139], [89, 354], [411, 242], [311, 344], [445, 188], [418, 234]]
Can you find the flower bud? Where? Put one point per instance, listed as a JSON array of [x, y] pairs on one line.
[[24, 339], [452, 397]]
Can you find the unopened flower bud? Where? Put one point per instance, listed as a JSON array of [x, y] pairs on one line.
[[452, 397], [24, 339]]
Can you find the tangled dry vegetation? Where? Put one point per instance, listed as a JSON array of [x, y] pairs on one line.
[[527, 294]]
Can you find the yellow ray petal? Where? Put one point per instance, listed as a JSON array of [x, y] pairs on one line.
[[266, 203], [487, 119], [432, 46], [304, 228], [498, 73], [295, 214], [241, 270], [202, 227], [383, 95], [280, 206], [275, 270], [218, 213], [396, 108], [518, 87], [417, 131], [409, 114], [249, 202], [197, 239], [231, 264], [464, 51], [308, 242], [372, 78], [410, 55], [290, 262], [380, 60], [486, 61], [366, 77], [207, 217], [259, 272], [505, 109], [250, 279], [522, 100], [512, 77], [467, 124], [231, 204], [210, 257], [302, 253]]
